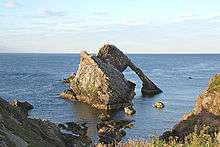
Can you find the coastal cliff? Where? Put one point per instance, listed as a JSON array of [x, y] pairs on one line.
[[206, 114]]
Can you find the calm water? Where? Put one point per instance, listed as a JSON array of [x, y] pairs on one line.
[[35, 78]]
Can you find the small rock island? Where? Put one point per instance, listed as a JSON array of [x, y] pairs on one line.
[[99, 80]]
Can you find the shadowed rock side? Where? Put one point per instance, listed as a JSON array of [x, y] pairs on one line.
[[205, 113], [16, 130], [100, 84], [112, 55]]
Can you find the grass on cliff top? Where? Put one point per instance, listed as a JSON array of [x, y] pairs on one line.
[[201, 139], [214, 83]]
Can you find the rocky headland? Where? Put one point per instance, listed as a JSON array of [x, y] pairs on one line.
[[206, 114]]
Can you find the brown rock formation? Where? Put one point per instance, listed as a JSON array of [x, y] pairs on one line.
[[112, 55], [99, 80], [100, 84], [205, 113]]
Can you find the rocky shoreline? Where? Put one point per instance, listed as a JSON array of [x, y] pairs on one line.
[[17, 130], [100, 82]]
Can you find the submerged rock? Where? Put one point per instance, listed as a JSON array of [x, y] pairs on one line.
[[205, 113], [17, 130]]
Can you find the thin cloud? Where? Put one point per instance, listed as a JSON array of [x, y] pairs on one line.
[[189, 14], [47, 13], [193, 16], [100, 13], [51, 13], [11, 4]]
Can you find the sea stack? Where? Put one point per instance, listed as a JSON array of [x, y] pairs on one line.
[[99, 80]]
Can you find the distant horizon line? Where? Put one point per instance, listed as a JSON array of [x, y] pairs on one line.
[[124, 53]]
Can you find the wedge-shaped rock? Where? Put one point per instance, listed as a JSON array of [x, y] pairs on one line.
[[100, 84]]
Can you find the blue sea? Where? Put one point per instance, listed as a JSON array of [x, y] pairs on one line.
[[36, 78]]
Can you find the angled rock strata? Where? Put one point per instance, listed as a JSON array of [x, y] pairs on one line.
[[99, 80]]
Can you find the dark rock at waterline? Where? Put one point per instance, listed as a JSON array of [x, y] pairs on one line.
[[68, 80], [80, 129], [112, 131], [104, 116], [17, 130], [206, 113], [24, 106], [112, 55]]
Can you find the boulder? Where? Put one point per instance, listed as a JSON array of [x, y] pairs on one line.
[[112, 55], [24, 106], [205, 113], [159, 105], [129, 110], [79, 129], [100, 84], [112, 131]]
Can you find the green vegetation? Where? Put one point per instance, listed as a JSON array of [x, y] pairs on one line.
[[214, 83], [71, 78], [76, 87], [190, 122], [92, 90], [195, 139]]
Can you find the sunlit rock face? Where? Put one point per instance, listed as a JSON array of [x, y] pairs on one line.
[[100, 84], [99, 80], [210, 99]]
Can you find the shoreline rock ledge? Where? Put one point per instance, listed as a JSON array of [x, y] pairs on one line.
[[99, 80]]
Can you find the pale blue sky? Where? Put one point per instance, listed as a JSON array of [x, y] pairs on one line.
[[135, 26]]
